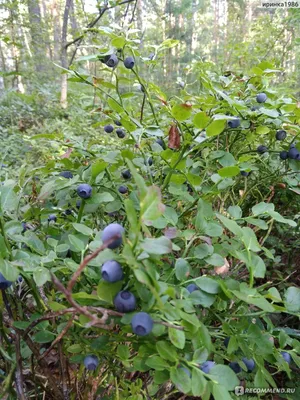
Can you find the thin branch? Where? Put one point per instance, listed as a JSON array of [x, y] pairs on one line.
[[19, 372], [79, 39], [87, 259], [63, 369], [59, 337], [133, 12]]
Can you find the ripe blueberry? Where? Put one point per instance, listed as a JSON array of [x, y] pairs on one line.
[[281, 135], [150, 161], [192, 287], [234, 123], [84, 191], [161, 143], [126, 174], [207, 366], [112, 61], [52, 217], [118, 123], [261, 97], [294, 154], [120, 133], [111, 271], [129, 62], [125, 301], [235, 367], [4, 283], [284, 155], [123, 189], [250, 364], [66, 174], [142, 324], [68, 211], [244, 173], [91, 362], [108, 128], [24, 226], [261, 149], [286, 356], [113, 230]]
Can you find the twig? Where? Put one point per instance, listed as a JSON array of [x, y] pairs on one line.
[[47, 317], [87, 259], [19, 373], [133, 12], [62, 366], [91, 25], [142, 109], [59, 337]]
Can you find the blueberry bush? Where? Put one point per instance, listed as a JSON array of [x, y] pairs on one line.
[[157, 256]]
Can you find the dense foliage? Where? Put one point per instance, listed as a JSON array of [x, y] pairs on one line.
[[200, 294]]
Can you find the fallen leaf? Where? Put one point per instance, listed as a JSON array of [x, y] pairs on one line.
[[224, 269]]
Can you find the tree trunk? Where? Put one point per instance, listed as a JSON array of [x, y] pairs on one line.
[[56, 30], [37, 38], [64, 60], [3, 67]]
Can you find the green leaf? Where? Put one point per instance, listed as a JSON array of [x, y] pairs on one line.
[[160, 245], [215, 259], [269, 112], [204, 299], [225, 376], [292, 299], [114, 105], [151, 205], [201, 120], [43, 337], [182, 269], [215, 128], [181, 379], [213, 229], [123, 352], [34, 243], [8, 198], [262, 208], [8, 270], [98, 167], [157, 363], [166, 351], [181, 112], [220, 393], [257, 300], [228, 172], [118, 42], [85, 230], [107, 291], [231, 225], [250, 239], [74, 348], [198, 382], [262, 130], [207, 284], [77, 244], [41, 276], [131, 214], [177, 337], [56, 306], [235, 211]]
